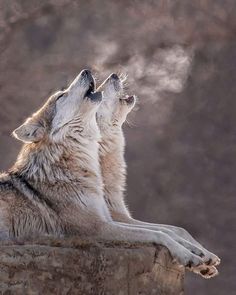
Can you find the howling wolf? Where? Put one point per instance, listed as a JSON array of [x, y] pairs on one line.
[[111, 115], [56, 185]]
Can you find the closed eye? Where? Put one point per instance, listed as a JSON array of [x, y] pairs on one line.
[[61, 95]]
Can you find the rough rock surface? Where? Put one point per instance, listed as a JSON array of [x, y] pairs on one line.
[[74, 266]]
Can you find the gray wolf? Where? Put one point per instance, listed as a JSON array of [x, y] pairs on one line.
[[111, 116], [56, 185]]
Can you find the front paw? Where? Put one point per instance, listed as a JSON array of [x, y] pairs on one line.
[[205, 271], [186, 258], [211, 259]]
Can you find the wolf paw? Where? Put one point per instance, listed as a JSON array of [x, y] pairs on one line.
[[211, 259], [208, 257], [187, 258], [205, 271], [191, 247]]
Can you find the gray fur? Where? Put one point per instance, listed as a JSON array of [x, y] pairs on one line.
[[56, 185]]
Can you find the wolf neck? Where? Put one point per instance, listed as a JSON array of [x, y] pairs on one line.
[[113, 169], [74, 162]]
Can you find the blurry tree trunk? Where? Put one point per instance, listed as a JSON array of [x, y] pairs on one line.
[[79, 267]]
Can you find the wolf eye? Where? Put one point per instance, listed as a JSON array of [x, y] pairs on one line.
[[61, 95]]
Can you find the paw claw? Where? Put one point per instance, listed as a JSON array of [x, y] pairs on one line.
[[213, 261], [209, 262], [189, 264]]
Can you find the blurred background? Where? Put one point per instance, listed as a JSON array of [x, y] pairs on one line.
[[180, 57]]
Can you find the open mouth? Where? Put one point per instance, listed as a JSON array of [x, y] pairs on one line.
[[95, 96], [91, 89], [92, 95]]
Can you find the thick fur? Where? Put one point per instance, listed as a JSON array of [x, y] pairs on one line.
[[111, 115], [56, 186]]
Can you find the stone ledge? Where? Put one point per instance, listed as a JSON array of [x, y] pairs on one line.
[[75, 266]]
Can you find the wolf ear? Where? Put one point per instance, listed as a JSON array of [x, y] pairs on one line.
[[29, 132]]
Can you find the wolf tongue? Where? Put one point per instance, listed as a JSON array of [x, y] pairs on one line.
[[95, 96]]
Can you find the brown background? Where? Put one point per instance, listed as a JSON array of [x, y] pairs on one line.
[[181, 141]]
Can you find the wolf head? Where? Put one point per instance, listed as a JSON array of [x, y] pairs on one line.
[[115, 107], [67, 112]]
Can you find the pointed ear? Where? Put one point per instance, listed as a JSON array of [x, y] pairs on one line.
[[30, 131]]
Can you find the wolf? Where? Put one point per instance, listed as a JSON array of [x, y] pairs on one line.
[[55, 179], [111, 116], [56, 185]]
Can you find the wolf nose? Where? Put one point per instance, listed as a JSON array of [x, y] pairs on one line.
[[114, 76]]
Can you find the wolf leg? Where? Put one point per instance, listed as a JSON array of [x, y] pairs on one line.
[[111, 116], [181, 236], [122, 232]]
